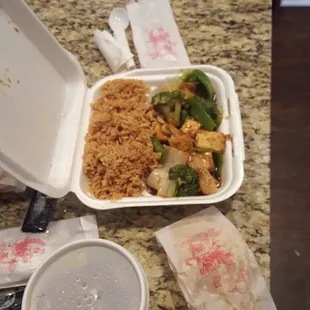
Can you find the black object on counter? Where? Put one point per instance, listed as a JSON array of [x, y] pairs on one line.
[[39, 213], [11, 299]]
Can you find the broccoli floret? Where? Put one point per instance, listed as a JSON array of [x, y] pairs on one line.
[[169, 104], [187, 76], [187, 179], [166, 96], [201, 80]]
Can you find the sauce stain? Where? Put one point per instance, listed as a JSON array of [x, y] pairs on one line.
[[16, 29], [18, 82], [6, 83], [228, 137]]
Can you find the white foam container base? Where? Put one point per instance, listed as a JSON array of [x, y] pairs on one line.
[[232, 174], [42, 128], [88, 274]]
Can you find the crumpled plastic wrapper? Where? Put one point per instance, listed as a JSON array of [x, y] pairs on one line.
[[115, 54], [22, 253], [9, 183], [156, 35], [214, 267], [11, 299]]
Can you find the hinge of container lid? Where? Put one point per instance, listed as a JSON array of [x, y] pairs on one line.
[[77, 167], [236, 127]]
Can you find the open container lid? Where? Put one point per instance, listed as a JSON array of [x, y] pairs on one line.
[[42, 89], [88, 274], [42, 96]]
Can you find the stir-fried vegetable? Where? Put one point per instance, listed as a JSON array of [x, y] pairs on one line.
[[159, 134], [169, 105], [200, 114], [204, 150], [188, 89], [219, 163], [175, 157], [187, 76], [156, 176], [159, 180], [159, 148], [203, 84], [211, 108], [164, 98], [200, 79], [184, 115], [192, 151], [187, 179], [167, 188]]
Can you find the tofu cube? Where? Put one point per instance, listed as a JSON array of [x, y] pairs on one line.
[[201, 161], [211, 140], [208, 161], [191, 127], [208, 185]]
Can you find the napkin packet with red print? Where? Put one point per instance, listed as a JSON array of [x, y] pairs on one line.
[[21, 253], [156, 35], [214, 267]]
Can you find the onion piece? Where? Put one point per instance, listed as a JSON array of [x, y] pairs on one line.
[[160, 120], [175, 157], [167, 188], [156, 176]]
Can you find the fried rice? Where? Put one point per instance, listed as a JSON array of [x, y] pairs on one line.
[[118, 153]]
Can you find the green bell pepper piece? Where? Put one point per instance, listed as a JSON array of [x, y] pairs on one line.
[[183, 117], [211, 109], [200, 115], [206, 89], [159, 148], [204, 150], [219, 162]]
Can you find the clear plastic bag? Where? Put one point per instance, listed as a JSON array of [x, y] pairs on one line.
[[21, 253], [214, 267], [11, 299], [156, 35]]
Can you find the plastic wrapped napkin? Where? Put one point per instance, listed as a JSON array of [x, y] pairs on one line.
[[214, 267], [156, 35], [21, 253], [117, 57]]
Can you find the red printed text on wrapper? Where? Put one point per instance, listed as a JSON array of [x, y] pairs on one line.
[[160, 43], [211, 259], [20, 251]]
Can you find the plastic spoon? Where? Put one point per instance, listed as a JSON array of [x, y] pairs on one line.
[[118, 22]]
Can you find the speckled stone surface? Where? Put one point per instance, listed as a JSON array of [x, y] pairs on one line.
[[232, 34]]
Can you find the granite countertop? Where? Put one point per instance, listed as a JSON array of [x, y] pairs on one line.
[[234, 35]]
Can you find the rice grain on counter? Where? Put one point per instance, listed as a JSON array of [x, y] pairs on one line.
[[118, 153]]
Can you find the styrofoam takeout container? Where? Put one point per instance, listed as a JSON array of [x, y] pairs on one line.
[[45, 110], [88, 274]]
